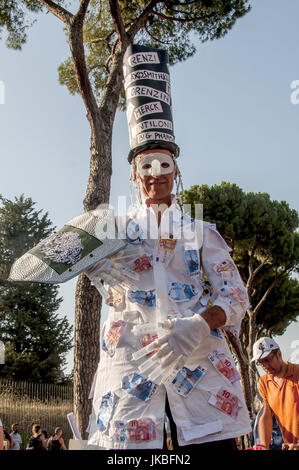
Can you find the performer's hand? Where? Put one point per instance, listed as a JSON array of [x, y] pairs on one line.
[[186, 334], [161, 363], [183, 336]]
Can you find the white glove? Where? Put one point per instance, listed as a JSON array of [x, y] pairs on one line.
[[184, 336], [111, 273], [186, 333], [160, 369]]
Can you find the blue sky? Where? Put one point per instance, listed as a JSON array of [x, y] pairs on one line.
[[233, 117]]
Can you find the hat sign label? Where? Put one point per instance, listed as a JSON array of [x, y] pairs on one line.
[[143, 58]]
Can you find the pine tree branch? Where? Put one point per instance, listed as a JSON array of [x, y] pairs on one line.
[[141, 20], [106, 38], [110, 95], [64, 15], [250, 269], [112, 52], [107, 63], [253, 273], [253, 276], [109, 35], [181, 20], [82, 10], [153, 37], [268, 291], [257, 270], [117, 17], [254, 291], [180, 12], [114, 46], [172, 2], [75, 34]]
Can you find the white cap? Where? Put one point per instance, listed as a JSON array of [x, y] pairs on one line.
[[262, 348]]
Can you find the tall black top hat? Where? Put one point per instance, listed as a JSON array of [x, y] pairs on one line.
[[148, 98]]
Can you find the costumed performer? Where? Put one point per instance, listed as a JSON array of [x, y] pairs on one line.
[[162, 346]]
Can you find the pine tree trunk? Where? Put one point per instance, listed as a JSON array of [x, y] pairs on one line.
[[86, 350]]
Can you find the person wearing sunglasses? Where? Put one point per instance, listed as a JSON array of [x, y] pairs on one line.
[[279, 388]]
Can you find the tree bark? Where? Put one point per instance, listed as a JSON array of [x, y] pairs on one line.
[[86, 348]]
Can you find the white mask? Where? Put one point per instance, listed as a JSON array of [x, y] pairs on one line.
[[155, 164]]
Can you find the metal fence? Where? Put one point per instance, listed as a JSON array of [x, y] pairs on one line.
[[28, 403]]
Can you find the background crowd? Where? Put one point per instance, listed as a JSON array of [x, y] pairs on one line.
[[39, 440]]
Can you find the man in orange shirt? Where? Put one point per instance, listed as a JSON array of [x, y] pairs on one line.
[[279, 388]]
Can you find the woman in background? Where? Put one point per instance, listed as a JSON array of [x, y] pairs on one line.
[[56, 441], [8, 441]]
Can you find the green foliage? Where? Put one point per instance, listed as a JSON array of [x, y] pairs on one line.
[[36, 339], [66, 76], [251, 221], [223, 205], [282, 306], [16, 16], [21, 227], [266, 231]]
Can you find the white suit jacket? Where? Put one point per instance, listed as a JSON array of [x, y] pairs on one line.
[[128, 410]]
